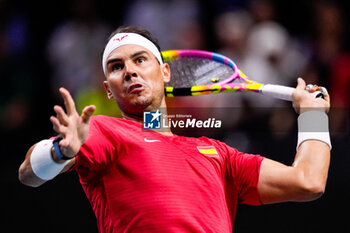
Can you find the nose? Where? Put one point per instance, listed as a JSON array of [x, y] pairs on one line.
[[130, 72]]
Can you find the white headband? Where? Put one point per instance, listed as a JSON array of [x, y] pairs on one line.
[[121, 39]]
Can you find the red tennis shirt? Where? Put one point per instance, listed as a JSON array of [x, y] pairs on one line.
[[143, 181]]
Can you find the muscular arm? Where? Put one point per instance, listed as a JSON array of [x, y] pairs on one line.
[[306, 178]]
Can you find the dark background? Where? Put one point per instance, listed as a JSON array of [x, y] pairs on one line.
[[27, 98]]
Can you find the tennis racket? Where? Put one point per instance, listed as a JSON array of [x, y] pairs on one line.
[[197, 72]]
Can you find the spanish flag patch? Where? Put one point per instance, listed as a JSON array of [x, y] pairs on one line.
[[208, 150]]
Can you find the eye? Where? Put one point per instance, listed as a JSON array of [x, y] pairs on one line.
[[140, 60], [117, 66]]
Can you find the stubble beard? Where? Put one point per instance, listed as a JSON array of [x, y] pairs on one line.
[[141, 104]]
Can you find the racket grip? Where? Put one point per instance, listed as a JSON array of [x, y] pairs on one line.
[[278, 91]]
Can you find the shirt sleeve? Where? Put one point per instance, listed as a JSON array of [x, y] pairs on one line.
[[244, 170], [92, 159]]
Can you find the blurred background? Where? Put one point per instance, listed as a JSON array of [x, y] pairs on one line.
[[48, 44]]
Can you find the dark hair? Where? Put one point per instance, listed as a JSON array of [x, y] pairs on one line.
[[133, 29]]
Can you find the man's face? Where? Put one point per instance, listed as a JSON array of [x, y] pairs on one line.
[[135, 79]]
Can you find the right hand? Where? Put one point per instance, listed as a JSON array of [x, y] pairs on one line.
[[303, 101], [73, 127]]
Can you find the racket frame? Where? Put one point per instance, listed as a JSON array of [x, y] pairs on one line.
[[226, 85]]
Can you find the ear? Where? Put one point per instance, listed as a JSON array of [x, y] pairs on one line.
[[165, 69], [108, 90]]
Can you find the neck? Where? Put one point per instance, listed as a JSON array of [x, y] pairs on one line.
[[132, 117], [139, 118]]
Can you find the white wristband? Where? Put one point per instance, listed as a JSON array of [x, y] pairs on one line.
[[313, 125], [42, 162]]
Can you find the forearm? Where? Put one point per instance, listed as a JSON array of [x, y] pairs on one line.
[[313, 149], [25, 173], [312, 162], [45, 167], [27, 177]]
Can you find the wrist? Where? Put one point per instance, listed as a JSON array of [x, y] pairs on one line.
[[313, 125], [312, 109], [42, 161], [56, 150], [54, 156]]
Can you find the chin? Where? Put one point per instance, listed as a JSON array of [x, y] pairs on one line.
[[143, 101], [137, 105], [140, 103]]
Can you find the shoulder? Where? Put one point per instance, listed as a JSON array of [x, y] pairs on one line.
[[222, 146], [101, 128], [211, 146], [102, 121], [113, 126], [232, 153], [103, 118]]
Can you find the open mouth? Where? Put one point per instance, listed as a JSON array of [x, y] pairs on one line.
[[135, 88]]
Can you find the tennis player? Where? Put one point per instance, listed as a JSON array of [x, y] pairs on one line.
[[146, 181]]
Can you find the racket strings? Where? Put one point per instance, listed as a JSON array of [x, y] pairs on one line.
[[186, 72]]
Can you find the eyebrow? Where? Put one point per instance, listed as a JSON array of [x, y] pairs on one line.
[[132, 56]]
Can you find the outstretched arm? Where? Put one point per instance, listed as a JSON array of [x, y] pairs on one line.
[[74, 129], [306, 178]]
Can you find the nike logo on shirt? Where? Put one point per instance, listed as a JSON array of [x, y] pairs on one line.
[[150, 140]]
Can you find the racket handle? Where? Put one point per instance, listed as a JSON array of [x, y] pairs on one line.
[[278, 91]]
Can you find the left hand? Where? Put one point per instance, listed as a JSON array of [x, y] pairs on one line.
[[303, 101], [73, 127]]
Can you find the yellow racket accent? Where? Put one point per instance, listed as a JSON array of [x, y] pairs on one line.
[[253, 87], [242, 74], [198, 90], [169, 55], [215, 80], [168, 91], [230, 89]]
